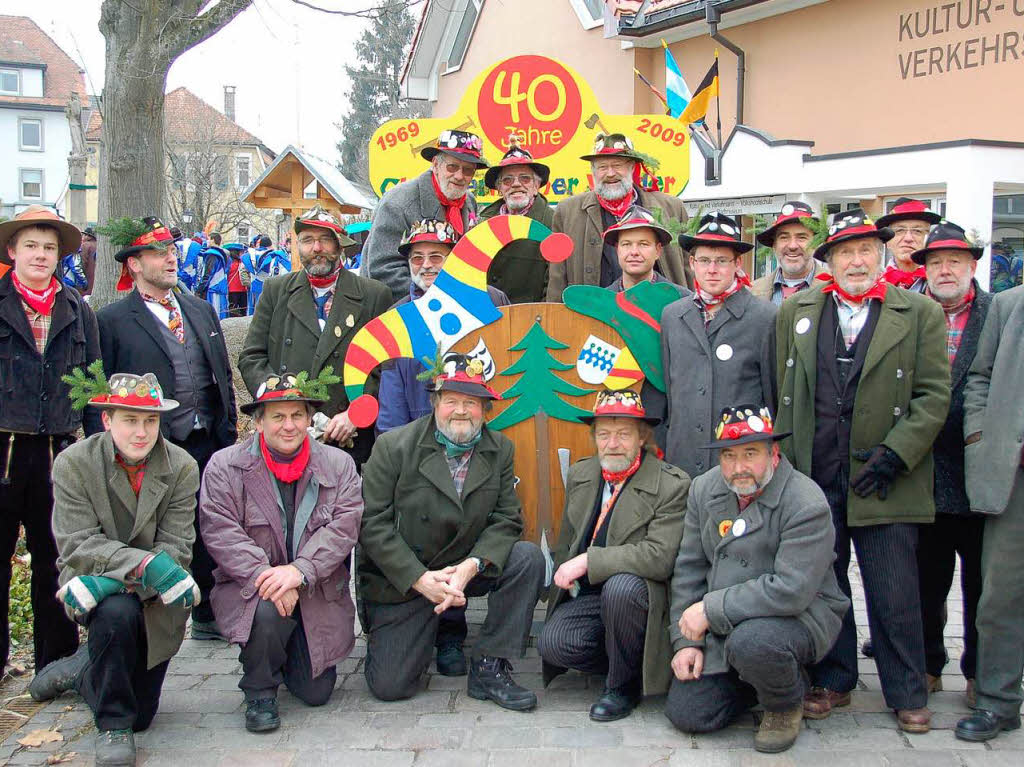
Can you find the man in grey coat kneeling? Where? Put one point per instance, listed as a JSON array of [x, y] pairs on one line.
[[754, 595]]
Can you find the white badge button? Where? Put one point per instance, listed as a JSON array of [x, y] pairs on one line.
[[803, 325], [739, 527], [724, 352]]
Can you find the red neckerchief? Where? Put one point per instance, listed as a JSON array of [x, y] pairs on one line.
[[618, 477], [618, 208], [135, 473], [327, 280], [875, 291], [740, 281], [452, 208], [617, 480], [40, 300], [958, 307], [896, 276], [290, 471]]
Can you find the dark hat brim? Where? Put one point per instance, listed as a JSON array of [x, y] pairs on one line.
[[927, 216], [491, 176], [767, 237], [611, 237], [428, 153], [920, 256], [68, 235], [883, 234], [605, 155], [745, 439], [250, 407], [690, 242], [648, 419], [462, 387], [122, 255]]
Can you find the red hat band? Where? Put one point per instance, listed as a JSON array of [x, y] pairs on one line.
[[278, 394], [863, 229], [161, 234], [461, 376], [131, 400], [950, 244], [913, 206], [743, 429], [619, 408]]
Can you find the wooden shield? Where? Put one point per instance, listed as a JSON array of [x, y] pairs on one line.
[[536, 374]]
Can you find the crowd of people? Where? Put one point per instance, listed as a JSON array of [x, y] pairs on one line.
[[861, 394]]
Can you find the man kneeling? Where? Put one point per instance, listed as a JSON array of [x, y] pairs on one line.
[[754, 595], [443, 523], [124, 504], [280, 514], [624, 512]]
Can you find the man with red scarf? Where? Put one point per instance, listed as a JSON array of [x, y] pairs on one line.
[[305, 320], [616, 169], [280, 514], [46, 331], [442, 192], [716, 344], [864, 388], [909, 221]]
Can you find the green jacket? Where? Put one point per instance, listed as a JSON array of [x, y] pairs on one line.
[[519, 270], [101, 528], [285, 336], [415, 521], [643, 539], [901, 401]]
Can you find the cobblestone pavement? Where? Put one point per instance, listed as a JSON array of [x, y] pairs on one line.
[[200, 724]]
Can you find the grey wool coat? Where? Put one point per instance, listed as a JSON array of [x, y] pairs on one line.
[[731, 363], [643, 539], [101, 528], [242, 515], [400, 207], [992, 406], [780, 566]]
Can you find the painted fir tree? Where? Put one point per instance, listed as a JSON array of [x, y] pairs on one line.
[[538, 386]]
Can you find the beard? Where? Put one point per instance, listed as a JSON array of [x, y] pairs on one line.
[[418, 280], [614, 190], [618, 463], [793, 272], [748, 484], [863, 283], [319, 267], [450, 190], [950, 294], [460, 430]]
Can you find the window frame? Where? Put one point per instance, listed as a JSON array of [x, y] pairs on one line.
[[449, 67], [42, 184], [248, 172], [17, 77], [586, 16], [22, 146]]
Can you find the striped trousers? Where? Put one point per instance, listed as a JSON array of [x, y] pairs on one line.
[[887, 555]]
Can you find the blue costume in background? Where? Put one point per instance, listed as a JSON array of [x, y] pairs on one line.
[[215, 279], [262, 265], [190, 262], [71, 273]]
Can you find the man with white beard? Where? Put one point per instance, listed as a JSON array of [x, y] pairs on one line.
[[754, 595], [791, 237], [442, 523], [615, 168]]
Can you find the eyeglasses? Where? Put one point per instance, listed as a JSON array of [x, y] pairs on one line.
[[721, 263], [325, 241], [901, 231], [523, 180], [453, 168], [432, 260], [617, 166]]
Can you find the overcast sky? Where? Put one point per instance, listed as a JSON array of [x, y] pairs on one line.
[[288, 92]]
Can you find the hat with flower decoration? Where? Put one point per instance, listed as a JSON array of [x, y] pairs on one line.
[[460, 144], [619, 404], [743, 424], [458, 373], [716, 230], [793, 212], [428, 230], [122, 391], [293, 388], [318, 218], [516, 155], [850, 225], [946, 236], [909, 209], [637, 217]]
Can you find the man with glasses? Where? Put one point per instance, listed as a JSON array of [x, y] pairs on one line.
[[440, 193], [716, 345], [615, 167], [518, 269], [909, 221], [305, 320]]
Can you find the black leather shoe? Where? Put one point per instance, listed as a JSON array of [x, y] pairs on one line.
[[985, 725], [491, 679], [451, 661], [261, 715], [60, 676], [867, 649], [204, 630], [615, 704]]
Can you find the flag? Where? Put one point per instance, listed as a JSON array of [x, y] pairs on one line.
[[697, 109], [678, 91], [653, 90]]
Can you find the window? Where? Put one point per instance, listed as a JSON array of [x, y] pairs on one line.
[[31, 184], [242, 165], [461, 42], [242, 232], [590, 12], [30, 135], [10, 82], [1007, 267]]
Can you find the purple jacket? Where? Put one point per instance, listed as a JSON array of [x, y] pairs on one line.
[[241, 514]]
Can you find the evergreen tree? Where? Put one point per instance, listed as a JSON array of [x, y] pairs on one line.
[[380, 52]]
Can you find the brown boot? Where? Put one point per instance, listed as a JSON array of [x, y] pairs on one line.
[[778, 730], [971, 694], [820, 701], [915, 720], [934, 683]]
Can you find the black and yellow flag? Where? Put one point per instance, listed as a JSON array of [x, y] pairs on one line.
[[697, 109]]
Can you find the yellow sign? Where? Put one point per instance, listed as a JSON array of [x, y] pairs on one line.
[[556, 117]]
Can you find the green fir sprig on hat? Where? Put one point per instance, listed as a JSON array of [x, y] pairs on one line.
[[433, 367], [316, 388], [86, 387], [122, 232]]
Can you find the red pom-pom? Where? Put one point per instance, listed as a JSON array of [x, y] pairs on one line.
[[556, 247], [363, 411]]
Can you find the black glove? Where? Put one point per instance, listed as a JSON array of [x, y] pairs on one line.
[[881, 467]]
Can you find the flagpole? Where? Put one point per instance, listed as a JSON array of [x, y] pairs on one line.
[[718, 103]]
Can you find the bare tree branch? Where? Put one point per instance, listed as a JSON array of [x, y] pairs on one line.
[[195, 29], [372, 12]]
